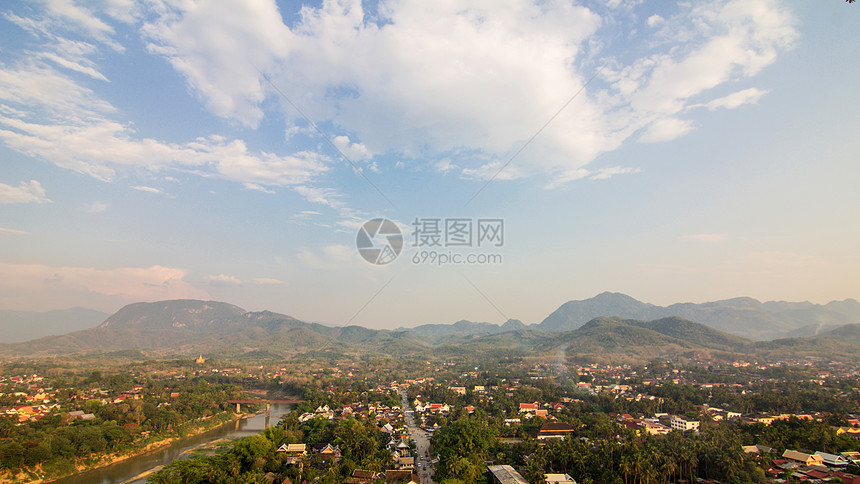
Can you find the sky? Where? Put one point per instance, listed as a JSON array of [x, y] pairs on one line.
[[528, 153]]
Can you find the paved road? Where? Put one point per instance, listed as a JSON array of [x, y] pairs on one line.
[[422, 443]]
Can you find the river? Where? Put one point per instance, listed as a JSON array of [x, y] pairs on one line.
[[128, 471]]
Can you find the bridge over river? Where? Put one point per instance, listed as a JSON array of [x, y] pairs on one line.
[[260, 401]]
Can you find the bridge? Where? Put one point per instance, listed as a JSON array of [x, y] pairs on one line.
[[267, 402]]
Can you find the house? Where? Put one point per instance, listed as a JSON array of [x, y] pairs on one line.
[[831, 460], [330, 453], [852, 432], [801, 458], [360, 476], [553, 430], [851, 457], [294, 452], [655, 428], [559, 479], [404, 476], [407, 463], [763, 419], [528, 407], [506, 475], [815, 473]]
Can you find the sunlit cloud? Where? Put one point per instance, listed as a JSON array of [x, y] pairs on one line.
[[4, 230], [154, 283]]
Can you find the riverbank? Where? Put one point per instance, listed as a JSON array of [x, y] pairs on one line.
[[189, 429]]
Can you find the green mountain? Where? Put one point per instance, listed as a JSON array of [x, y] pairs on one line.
[[695, 333], [190, 327], [616, 339], [849, 333], [613, 339], [177, 314]]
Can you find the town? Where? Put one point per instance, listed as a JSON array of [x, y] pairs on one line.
[[423, 420]]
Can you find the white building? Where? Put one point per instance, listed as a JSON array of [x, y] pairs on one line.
[[683, 424]]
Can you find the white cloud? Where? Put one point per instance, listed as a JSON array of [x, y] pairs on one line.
[[42, 90], [147, 189], [445, 78], [258, 188], [353, 151], [737, 99], [469, 82], [610, 171], [218, 47], [665, 129], [226, 280], [324, 196], [103, 148], [445, 165], [68, 15], [655, 20], [155, 283], [223, 280], [25, 192]]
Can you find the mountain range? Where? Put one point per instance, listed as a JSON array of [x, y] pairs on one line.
[[609, 325], [742, 316]]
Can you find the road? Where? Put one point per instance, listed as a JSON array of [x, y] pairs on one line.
[[422, 443]]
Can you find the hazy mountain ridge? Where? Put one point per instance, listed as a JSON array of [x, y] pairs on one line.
[[17, 326], [183, 327], [191, 326], [616, 339], [740, 316], [449, 333], [178, 313]]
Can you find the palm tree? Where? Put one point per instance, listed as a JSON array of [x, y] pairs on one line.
[[667, 467], [626, 467]]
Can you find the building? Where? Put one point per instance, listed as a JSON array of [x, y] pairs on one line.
[[559, 479], [802, 458], [683, 424], [506, 475], [831, 460], [553, 430], [294, 452]]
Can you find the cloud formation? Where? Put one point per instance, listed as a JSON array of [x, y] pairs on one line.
[[25, 192], [469, 83], [124, 284]]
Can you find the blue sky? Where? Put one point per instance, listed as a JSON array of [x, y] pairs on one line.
[[674, 152]]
